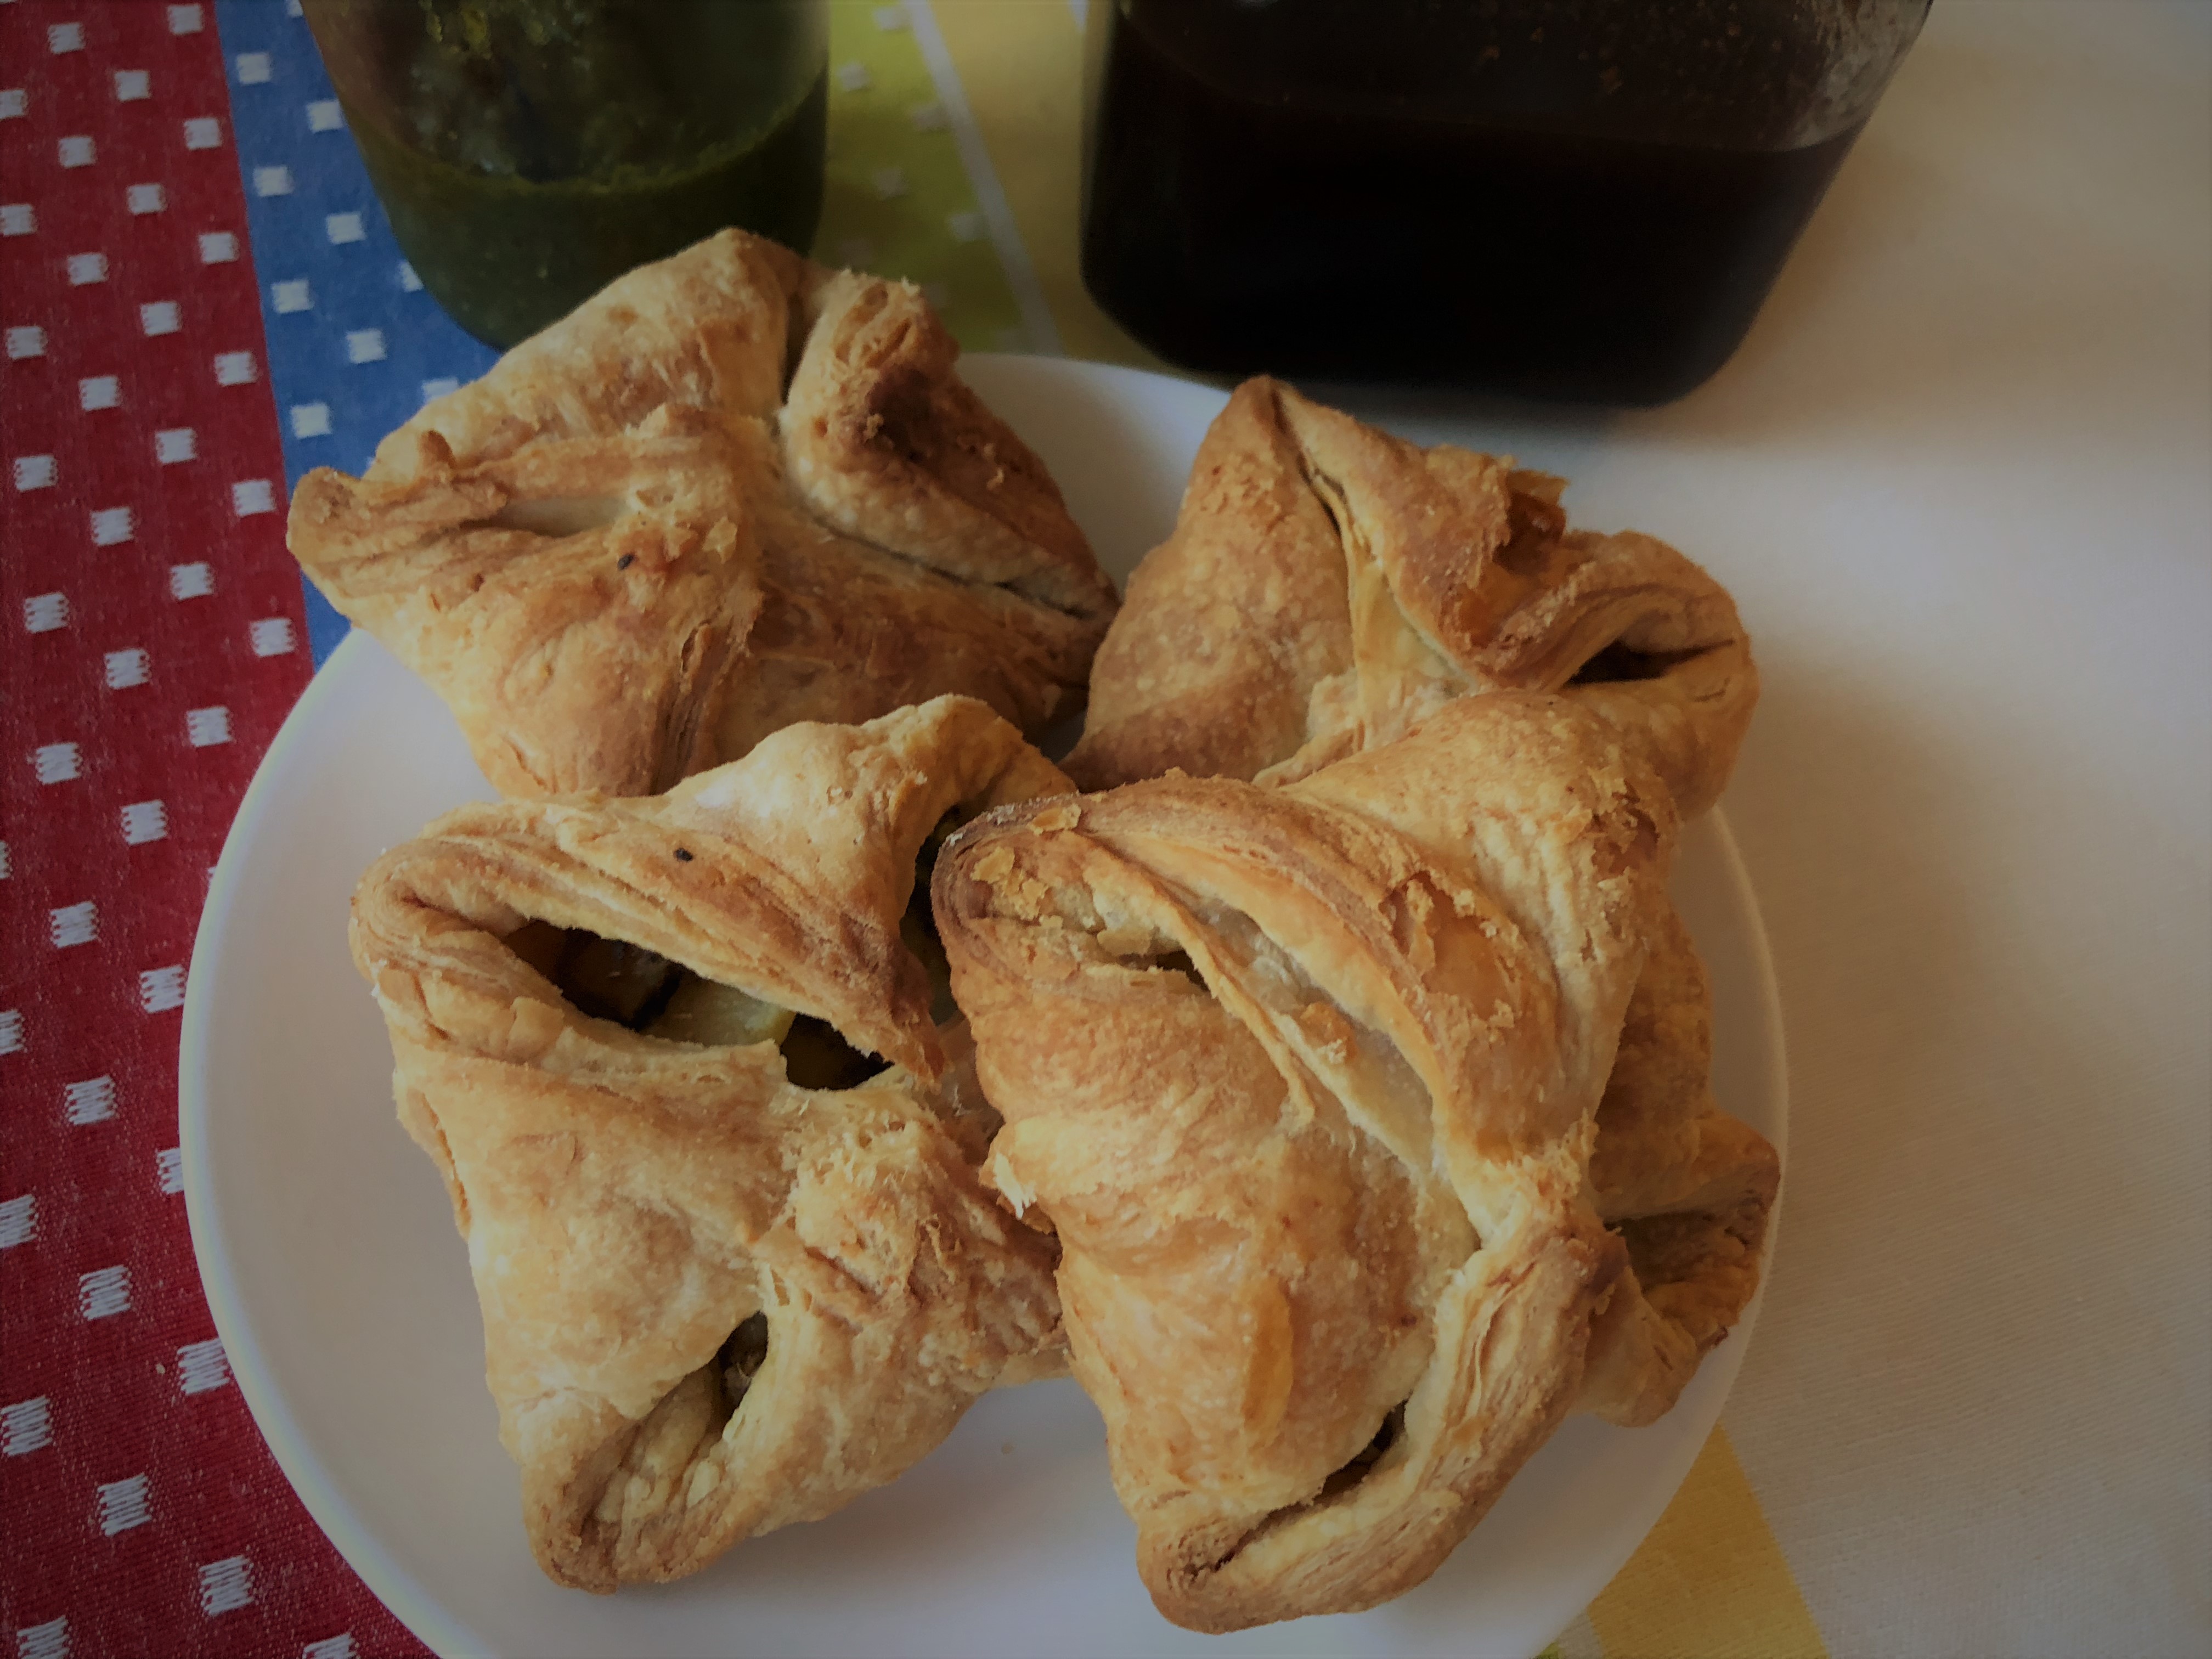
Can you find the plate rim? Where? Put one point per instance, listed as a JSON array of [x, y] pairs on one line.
[[386, 1577], [326, 1505]]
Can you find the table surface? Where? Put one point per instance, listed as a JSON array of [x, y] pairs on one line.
[[1960, 479]]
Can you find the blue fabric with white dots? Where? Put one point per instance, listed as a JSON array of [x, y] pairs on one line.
[[355, 345]]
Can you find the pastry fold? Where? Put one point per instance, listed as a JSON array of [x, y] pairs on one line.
[[714, 1301], [1306, 1079], [732, 491], [1688, 1187], [1327, 587]]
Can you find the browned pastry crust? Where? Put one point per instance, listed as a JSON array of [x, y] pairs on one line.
[[1306, 1079], [1327, 587], [630, 1203], [1688, 1187], [731, 491]]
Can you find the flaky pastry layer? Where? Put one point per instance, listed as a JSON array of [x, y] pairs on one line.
[[1327, 587], [1689, 1187], [635, 1205], [1307, 1080], [732, 491]]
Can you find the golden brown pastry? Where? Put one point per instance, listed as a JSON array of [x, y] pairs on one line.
[[1306, 1079], [1327, 587], [733, 1272], [1688, 1187], [731, 491]]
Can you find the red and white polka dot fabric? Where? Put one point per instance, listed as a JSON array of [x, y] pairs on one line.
[[153, 641]]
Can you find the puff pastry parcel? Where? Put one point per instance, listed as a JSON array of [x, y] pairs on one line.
[[733, 1271], [732, 491], [1327, 587], [1307, 1079]]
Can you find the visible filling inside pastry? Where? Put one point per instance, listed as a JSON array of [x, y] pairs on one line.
[[1176, 962], [742, 1357], [815, 1056], [1618, 663], [918, 927], [646, 992], [665, 1464], [608, 978], [1392, 1428], [1701, 1255], [1339, 1483]]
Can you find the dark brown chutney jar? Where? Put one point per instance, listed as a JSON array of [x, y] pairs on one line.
[[528, 152], [1584, 200]]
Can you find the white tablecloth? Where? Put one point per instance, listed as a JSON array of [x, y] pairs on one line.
[[1958, 480]]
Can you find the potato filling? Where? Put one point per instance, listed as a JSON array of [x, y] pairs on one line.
[[644, 991]]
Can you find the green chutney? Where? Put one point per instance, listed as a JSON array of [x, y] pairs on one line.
[[528, 152]]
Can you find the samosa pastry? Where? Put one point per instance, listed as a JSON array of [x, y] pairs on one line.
[[1689, 1187], [1327, 587], [1306, 1079], [732, 491], [734, 1269]]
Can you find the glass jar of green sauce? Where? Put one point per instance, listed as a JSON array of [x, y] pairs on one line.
[[528, 152]]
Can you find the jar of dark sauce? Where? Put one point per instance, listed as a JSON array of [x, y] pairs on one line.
[[1585, 200], [528, 152]]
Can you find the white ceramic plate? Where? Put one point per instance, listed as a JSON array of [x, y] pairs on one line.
[[342, 1292]]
